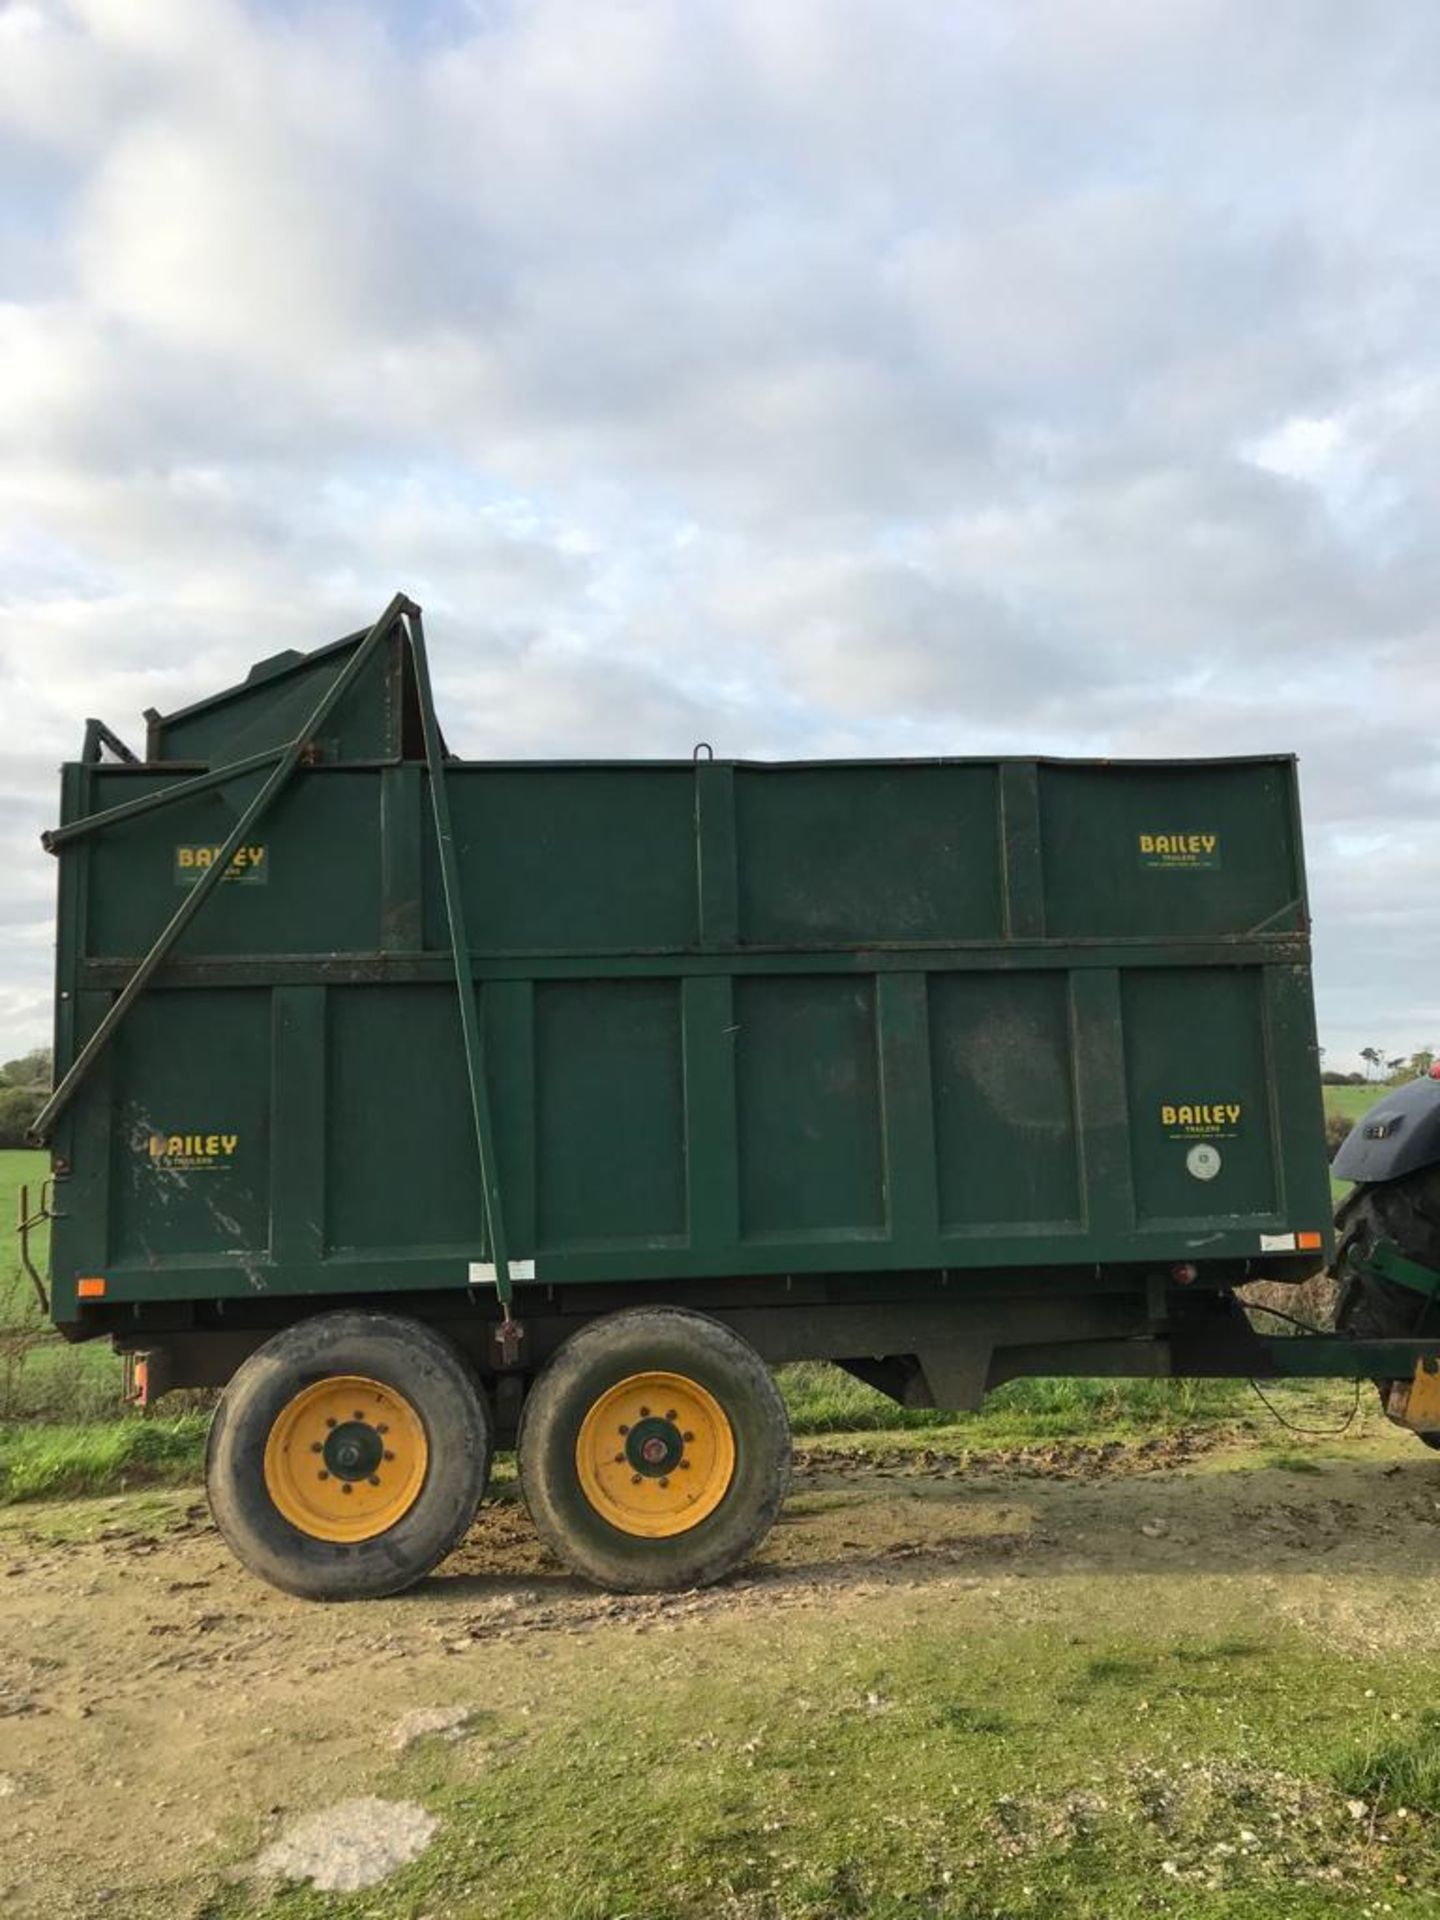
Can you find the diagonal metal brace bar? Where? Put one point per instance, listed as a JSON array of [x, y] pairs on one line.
[[57, 837], [98, 735], [211, 878], [464, 972]]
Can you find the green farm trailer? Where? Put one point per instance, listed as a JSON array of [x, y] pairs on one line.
[[424, 1104]]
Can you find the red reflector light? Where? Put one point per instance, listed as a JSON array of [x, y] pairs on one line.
[[1435, 1070]]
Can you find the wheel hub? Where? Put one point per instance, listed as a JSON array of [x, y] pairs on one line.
[[353, 1451], [346, 1458], [655, 1454], [654, 1447]]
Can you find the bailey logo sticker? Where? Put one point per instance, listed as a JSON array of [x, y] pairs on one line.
[[191, 1152], [1185, 851], [1201, 1120], [249, 866]]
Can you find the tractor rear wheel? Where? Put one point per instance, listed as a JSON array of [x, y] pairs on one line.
[[1405, 1212], [347, 1456], [654, 1451]]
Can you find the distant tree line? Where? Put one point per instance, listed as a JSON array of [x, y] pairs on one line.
[[24, 1083], [1382, 1069]]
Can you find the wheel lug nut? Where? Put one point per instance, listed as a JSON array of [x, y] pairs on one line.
[[330, 1423], [687, 1436], [664, 1479], [624, 1429], [374, 1479], [619, 1459], [380, 1427], [672, 1415], [634, 1479], [324, 1475], [685, 1464], [358, 1416], [315, 1447], [347, 1488], [644, 1413], [388, 1454]]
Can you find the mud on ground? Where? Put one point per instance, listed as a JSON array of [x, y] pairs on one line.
[[162, 1715]]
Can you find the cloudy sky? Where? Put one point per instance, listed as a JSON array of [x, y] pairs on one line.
[[810, 376]]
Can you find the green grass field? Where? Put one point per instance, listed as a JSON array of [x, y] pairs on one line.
[[42, 1377], [1353, 1102], [1029, 1771]]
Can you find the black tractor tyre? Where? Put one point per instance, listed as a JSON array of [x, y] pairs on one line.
[[705, 1362], [1405, 1212], [441, 1414]]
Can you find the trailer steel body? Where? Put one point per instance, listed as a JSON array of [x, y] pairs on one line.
[[948, 1070]]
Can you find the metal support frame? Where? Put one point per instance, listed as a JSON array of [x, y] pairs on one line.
[[285, 764], [470, 1025], [98, 735], [402, 613], [57, 837]]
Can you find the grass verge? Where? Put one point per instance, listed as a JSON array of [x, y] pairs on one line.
[[822, 1399], [45, 1462]]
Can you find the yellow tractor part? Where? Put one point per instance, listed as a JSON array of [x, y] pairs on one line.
[[346, 1458], [655, 1454], [1415, 1403]]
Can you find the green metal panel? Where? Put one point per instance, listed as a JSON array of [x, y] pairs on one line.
[[274, 701], [865, 1018], [574, 859], [190, 1137], [309, 881], [808, 1098], [609, 1124], [870, 852], [1203, 847], [1007, 1144], [1198, 1085], [401, 1160]]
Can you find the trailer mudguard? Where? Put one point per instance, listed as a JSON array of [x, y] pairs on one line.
[[1399, 1134]]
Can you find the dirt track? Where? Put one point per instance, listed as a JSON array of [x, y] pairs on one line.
[[160, 1711]]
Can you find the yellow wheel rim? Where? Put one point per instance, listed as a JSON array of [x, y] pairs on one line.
[[346, 1458], [655, 1454]]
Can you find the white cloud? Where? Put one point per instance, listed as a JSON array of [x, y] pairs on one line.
[[877, 378], [1299, 448]]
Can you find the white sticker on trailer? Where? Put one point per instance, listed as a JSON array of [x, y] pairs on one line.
[[1277, 1243], [482, 1272]]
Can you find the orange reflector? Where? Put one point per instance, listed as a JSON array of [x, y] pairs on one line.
[[1309, 1242], [90, 1289]]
